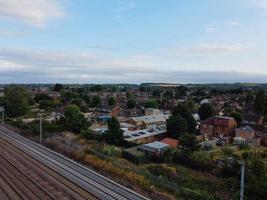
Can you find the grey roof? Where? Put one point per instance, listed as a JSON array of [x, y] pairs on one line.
[[246, 128], [156, 145]]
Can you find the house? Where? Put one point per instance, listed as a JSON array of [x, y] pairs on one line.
[[204, 101], [144, 122], [156, 148], [253, 133], [239, 141], [171, 142], [152, 111], [145, 135], [246, 132], [218, 127]]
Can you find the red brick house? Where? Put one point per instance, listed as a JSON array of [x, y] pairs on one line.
[[218, 127]]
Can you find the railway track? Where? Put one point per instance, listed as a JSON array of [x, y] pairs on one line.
[[82, 177], [30, 172]]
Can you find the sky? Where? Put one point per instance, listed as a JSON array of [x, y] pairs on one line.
[[133, 41]]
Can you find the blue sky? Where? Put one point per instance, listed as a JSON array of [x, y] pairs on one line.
[[133, 41]]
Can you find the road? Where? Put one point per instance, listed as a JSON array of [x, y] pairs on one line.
[[31, 171]]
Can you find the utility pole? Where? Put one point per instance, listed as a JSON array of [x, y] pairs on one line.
[[2, 109], [242, 180], [41, 127]]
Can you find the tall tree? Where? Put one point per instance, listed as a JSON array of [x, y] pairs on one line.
[[205, 111], [176, 126], [114, 134], [152, 103], [183, 111], [96, 101], [131, 103], [58, 87], [188, 143], [111, 101], [237, 116], [74, 120], [259, 102], [16, 101], [249, 98]]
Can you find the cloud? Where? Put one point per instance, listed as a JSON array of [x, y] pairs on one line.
[[211, 29], [11, 33], [125, 6], [45, 66], [233, 23], [32, 12], [214, 48], [261, 3]]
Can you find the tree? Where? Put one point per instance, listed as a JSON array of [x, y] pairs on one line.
[[58, 87], [152, 103], [96, 101], [256, 180], [46, 105], [80, 103], [205, 111], [129, 95], [180, 91], [97, 88], [259, 102], [249, 99], [114, 134], [183, 111], [156, 93], [142, 89], [111, 101], [176, 126], [16, 101], [74, 120], [188, 143], [168, 94], [41, 97], [131, 103], [237, 116]]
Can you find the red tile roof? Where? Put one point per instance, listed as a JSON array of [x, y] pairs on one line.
[[218, 121], [172, 142]]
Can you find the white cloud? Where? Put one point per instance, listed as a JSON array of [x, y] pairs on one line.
[[261, 3], [211, 29], [10, 66], [215, 48], [198, 64], [11, 33], [125, 6], [233, 23], [32, 12]]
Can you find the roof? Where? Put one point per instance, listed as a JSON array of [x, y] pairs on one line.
[[205, 101], [171, 142], [150, 119], [246, 128], [257, 127], [219, 121], [156, 145], [239, 138], [139, 134], [126, 125]]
